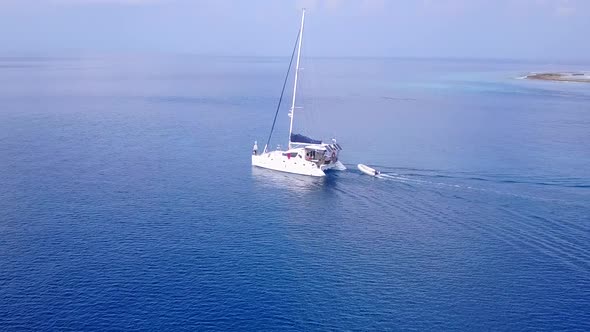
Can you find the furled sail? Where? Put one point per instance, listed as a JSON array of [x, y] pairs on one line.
[[298, 138]]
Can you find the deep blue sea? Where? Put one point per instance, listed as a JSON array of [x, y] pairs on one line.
[[128, 201]]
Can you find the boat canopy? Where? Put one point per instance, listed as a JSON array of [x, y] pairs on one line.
[[298, 138]]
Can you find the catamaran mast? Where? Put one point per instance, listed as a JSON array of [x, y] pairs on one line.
[[296, 72]]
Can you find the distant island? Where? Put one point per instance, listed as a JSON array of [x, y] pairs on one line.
[[563, 77]]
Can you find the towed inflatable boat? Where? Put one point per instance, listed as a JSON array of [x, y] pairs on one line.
[[368, 170]]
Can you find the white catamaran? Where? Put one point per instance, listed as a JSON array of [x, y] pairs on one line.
[[304, 155]]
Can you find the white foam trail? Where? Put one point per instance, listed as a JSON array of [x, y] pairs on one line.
[[394, 176], [397, 177]]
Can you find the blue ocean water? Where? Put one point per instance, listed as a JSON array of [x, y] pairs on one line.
[[127, 198]]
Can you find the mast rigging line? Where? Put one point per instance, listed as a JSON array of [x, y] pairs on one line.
[[283, 90]]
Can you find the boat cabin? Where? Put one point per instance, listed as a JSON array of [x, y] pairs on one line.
[[315, 153]]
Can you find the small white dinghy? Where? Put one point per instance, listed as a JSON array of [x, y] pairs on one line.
[[368, 170]]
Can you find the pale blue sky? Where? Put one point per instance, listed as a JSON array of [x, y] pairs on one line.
[[547, 29]]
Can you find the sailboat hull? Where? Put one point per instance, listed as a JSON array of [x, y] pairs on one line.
[[277, 161]]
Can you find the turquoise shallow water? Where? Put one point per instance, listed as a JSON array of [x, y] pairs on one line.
[[127, 199]]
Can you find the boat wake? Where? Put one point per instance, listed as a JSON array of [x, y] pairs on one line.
[[499, 185], [505, 208]]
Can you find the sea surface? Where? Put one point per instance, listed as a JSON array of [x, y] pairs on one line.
[[128, 201]]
